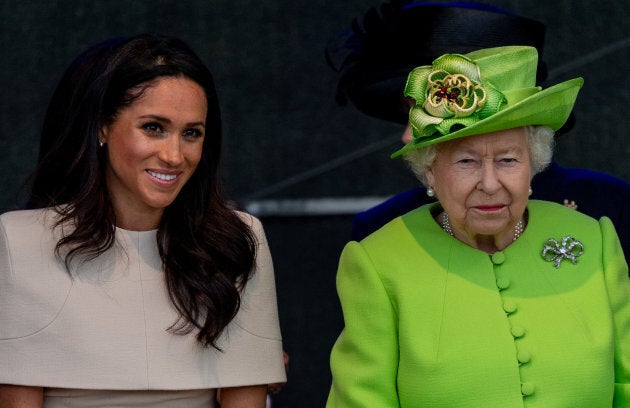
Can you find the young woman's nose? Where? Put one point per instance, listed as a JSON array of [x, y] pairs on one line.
[[171, 151]]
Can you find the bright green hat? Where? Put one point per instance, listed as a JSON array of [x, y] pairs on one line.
[[480, 92]]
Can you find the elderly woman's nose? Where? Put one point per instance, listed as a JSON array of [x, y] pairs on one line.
[[489, 179], [407, 134]]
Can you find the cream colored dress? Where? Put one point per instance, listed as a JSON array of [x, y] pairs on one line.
[[99, 338]]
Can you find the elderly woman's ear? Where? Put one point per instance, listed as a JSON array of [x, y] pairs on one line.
[[430, 177]]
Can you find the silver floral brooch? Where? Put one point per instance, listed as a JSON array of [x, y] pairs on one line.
[[554, 251]]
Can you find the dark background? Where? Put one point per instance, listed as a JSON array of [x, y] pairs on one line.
[[285, 138]]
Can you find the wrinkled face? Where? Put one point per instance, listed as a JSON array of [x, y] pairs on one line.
[[482, 182], [154, 146]]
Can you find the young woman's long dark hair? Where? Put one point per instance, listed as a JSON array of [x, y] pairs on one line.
[[207, 250]]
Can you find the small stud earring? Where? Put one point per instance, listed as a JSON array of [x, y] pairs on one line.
[[430, 192], [530, 190]]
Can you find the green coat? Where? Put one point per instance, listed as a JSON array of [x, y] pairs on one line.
[[432, 322]]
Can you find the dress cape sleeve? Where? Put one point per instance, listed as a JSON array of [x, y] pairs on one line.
[[107, 327]]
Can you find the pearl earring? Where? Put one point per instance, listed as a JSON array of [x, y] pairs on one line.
[[430, 192], [101, 142], [530, 190]]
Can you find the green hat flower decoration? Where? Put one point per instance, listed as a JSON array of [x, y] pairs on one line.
[[451, 92], [483, 91]]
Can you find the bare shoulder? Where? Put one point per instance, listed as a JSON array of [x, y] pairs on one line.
[[19, 396]]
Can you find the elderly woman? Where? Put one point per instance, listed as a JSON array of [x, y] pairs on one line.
[[484, 299]]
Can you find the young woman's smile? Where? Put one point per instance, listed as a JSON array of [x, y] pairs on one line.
[[154, 146]]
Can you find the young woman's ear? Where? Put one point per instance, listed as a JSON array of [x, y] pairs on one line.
[[102, 136]]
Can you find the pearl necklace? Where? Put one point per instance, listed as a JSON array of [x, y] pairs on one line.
[[446, 226]]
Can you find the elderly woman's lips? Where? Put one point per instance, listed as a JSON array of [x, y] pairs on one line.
[[490, 207]]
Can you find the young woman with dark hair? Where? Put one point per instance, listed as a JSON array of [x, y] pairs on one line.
[[127, 211]]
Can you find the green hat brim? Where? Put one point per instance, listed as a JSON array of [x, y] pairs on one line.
[[549, 107]]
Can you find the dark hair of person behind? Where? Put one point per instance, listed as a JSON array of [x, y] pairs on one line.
[[207, 250]]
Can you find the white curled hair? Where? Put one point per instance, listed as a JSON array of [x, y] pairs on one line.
[[539, 138]]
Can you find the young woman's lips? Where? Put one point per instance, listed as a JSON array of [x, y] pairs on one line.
[[162, 177]]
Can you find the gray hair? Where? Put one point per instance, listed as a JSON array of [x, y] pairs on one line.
[[539, 138]]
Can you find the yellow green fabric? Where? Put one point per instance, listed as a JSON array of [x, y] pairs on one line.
[[432, 322], [483, 91]]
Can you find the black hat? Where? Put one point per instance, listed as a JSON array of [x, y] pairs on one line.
[[383, 46]]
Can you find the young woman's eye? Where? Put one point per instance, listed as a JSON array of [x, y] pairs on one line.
[[152, 127], [192, 133]]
